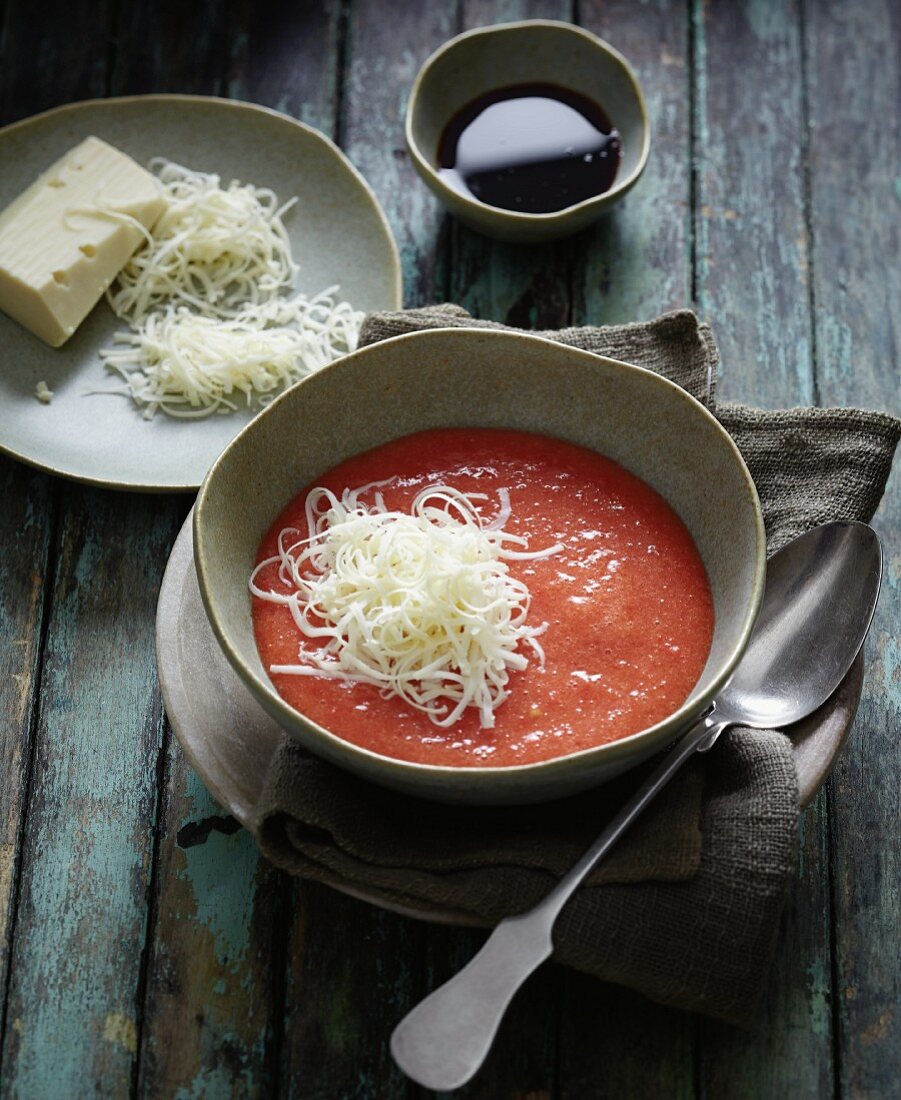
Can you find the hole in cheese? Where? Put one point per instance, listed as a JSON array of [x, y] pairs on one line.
[[88, 250], [61, 277]]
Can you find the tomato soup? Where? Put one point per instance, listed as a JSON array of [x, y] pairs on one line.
[[626, 600]]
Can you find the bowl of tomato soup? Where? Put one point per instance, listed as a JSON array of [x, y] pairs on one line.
[[480, 566]]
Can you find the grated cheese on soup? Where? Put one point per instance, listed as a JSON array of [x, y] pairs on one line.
[[421, 604]]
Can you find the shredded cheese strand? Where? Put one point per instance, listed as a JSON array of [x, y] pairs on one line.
[[421, 605], [214, 248], [210, 329], [191, 366]]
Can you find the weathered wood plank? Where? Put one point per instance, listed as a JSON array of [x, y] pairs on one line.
[[615, 1043], [854, 89], [72, 1016], [173, 47], [26, 536], [353, 972], [45, 63], [752, 284], [288, 57], [209, 1011], [388, 42], [212, 1022], [789, 1050], [635, 264], [37, 71], [751, 235], [531, 288], [352, 969], [636, 258]]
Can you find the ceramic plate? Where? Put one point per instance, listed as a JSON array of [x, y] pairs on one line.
[[338, 232], [230, 740]]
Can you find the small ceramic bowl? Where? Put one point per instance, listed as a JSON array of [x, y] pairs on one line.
[[470, 378], [533, 51]]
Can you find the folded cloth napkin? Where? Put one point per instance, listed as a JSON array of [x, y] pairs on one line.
[[685, 909]]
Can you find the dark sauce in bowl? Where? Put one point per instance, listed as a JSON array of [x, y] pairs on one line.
[[532, 148]]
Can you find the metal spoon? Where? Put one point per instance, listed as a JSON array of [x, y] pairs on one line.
[[821, 593]]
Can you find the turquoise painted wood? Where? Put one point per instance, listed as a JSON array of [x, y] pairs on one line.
[[206, 1019], [146, 948], [209, 1020], [26, 538], [634, 264], [387, 41], [752, 278], [751, 239], [853, 64], [86, 863]]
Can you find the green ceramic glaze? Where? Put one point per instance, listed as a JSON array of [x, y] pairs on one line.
[[519, 53], [454, 377], [338, 233]]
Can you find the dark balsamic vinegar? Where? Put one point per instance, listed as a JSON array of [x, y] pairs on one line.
[[533, 148]]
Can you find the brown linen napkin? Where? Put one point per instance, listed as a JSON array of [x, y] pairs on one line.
[[686, 907]]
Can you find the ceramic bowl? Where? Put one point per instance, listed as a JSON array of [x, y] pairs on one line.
[[471, 377], [519, 53]]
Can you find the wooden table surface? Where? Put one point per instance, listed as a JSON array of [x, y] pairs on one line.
[[147, 949]]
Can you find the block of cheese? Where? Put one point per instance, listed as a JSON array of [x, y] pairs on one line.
[[62, 243]]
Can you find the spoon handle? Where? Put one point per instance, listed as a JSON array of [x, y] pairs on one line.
[[443, 1041]]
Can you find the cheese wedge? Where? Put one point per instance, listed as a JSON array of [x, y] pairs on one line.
[[64, 239]]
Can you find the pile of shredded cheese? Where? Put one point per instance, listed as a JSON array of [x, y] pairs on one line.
[[191, 366], [420, 605], [210, 327], [215, 249]]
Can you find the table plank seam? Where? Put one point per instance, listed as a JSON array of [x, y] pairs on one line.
[[50, 577], [151, 910], [807, 181]]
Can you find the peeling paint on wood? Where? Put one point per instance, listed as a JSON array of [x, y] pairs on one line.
[[752, 283], [86, 855], [854, 75], [208, 1015], [636, 261]]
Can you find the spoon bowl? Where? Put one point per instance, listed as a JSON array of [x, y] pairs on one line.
[[818, 588]]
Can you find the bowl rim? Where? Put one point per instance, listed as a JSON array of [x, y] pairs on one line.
[[513, 217], [652, 737]]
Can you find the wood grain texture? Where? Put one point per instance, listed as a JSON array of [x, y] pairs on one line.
[[854, 89], [635, 262], [351, 969], [29, 528], [387, 44], [633, 265], [175, 47], [209, 1016], [209, 975], [353, 972], [289, 57], [752, 283], [750, 219], [26, 536], [212, 1021], [44, 66], [86, 856], [529, 287]]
